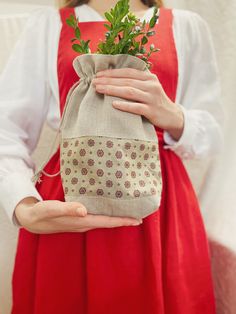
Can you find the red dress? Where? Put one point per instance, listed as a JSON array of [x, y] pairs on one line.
[[159, 267]]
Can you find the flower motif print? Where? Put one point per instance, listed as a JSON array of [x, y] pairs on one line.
[[118, 174], [118, 154], [100, 172], [100, 192], [100, 152], [74, 181], [82, 152], [90, 162], [91, 142], [119, 194], [127, 145], [127, 184], [84, 171], [136, 193], [91, 181], [127, 164], [82, 190], [109, 183], [109, 163], [109, 144]]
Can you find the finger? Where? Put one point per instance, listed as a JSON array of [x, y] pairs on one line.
[[67, 223], [123, 92], [139, 84], [93, 221], [133, 107], [53, 209], [101, 221], [126, 72], [82, 224], [81, 230], [71, 209]]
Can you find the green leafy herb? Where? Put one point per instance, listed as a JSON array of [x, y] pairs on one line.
[[82, 46], [126, 34]]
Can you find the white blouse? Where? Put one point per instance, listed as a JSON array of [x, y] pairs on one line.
[[29, 96]]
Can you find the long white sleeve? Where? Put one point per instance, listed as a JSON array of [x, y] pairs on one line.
[[198, 90], [24, 100]]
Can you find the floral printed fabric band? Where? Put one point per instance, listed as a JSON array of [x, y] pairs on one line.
[[112, 168]]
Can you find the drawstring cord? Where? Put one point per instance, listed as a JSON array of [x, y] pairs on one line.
[[38, 174]]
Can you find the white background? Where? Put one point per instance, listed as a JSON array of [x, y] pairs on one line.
[[215, 186]]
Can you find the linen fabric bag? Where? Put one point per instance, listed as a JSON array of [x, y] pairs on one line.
[[109, 158]]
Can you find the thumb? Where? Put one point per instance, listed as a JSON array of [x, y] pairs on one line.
[[74, 209], [54, 209]]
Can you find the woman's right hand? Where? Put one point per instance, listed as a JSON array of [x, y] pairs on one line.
[[45, 217]]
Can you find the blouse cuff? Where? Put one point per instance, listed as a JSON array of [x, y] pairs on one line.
[[184, 146], [14, 188]]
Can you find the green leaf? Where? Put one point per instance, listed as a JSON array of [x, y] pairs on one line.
[[151, 33], [107, 26], [77, 33], [144, 40], [86, 46], [136, 44], [108, 17], [153, 21], [142, 50], [70, 23], [77, 48]]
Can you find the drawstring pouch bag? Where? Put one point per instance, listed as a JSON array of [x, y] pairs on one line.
[[109, 158]]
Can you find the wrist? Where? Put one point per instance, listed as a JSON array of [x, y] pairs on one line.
[[176, 126], [23, 205]]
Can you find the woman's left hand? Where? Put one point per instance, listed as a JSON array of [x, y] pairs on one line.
[[145, 97]]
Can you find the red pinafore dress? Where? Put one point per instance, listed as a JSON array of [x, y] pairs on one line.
[[159, 267]]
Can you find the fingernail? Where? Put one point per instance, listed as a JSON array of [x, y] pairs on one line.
[[137, 223], [99, 74], [100, 88], [82, 211]]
